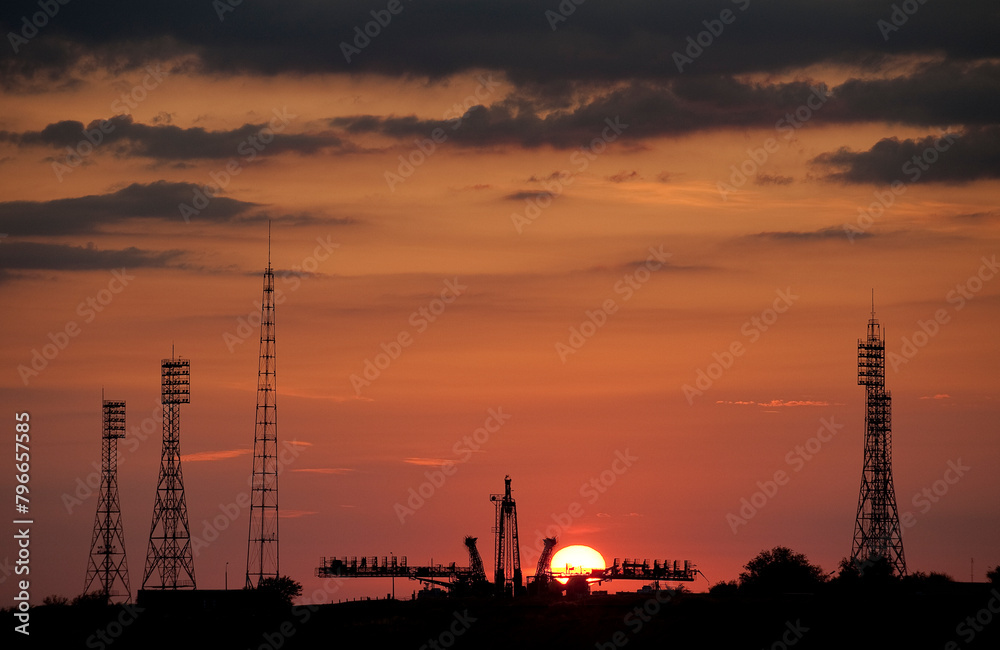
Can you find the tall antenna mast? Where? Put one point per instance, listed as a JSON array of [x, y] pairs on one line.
[[877, 535], [107, 570], [169, 558], [262, 541]]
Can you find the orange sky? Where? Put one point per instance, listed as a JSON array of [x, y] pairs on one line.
[[373, 256]]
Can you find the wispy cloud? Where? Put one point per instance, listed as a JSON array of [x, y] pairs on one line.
[[776, 403], [294, 514], [201, 456], [428, 462], [323, 470]]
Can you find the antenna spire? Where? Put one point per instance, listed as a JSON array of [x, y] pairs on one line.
[[268, 243]]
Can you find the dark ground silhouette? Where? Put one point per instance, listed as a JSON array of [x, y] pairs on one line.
[[841, 616]]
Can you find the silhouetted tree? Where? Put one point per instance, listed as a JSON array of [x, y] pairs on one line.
[[921, 582], [724, 589], [56, 601], [284, 588], [780, 570], [869, 572], [994, 575], [93, 603]]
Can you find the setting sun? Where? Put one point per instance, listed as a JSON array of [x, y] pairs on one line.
[[575, 560]]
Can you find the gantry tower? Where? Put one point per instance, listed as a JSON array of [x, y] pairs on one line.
[[507, 577], [262, 541], [877, 535], [169, 558], [475, 561], [107, 570]]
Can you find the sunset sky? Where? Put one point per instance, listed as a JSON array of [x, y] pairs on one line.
[[634, 242]]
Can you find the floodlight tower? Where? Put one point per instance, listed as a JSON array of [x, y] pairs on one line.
[[262, 541], [507, 576], [107, 571], [877, 535], [169, 558]]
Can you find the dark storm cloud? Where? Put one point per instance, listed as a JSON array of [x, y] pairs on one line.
[[122, 135], [87, 214], [952, 158], [956, 94], [643, 109], [39, 256], [597, 42], [935, 94]]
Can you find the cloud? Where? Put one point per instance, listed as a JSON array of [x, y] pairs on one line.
[[775, 403], [947, 158], [444, 37], [625, 176], [323, 470], [88, 214], [777, 179], [528, 195], [295, 514], [62, 257], [677, 107], [207, 456], [833, 233], [124, 137], [936, 93], [428, 462], [158, 200], [939, 396]]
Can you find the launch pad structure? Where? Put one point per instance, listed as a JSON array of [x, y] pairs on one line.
[[507, 574]]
